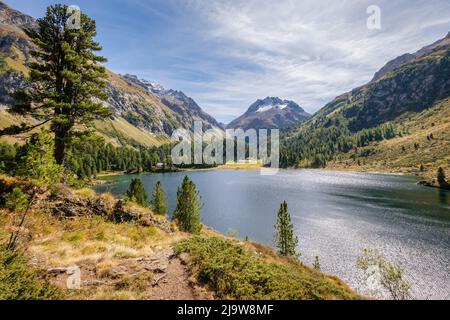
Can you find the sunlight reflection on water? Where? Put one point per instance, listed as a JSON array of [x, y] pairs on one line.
[[336, 215]]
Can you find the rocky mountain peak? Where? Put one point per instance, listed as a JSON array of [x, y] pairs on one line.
[[270, 113], [10, 16], [185, 107], [152, 87], [272, 104]]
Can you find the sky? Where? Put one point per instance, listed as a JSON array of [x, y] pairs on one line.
[[226, 54]]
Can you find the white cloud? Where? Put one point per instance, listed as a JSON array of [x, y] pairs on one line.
[[309, 51]]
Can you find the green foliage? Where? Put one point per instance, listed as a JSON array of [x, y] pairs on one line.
[[316, 264], [391, 277], [159, 200], [8, 157], [16, 200], [187, 212], [36, 160], [136, 192], [317, 144], [441, 177], [363, 115], [231, 271], [91, 155], [66, 80], [284, 238], [19, 282]]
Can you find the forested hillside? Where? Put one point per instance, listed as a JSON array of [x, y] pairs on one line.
[[353, 129]]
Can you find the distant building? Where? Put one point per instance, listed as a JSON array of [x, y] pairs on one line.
[[248, 161], [160, 165]]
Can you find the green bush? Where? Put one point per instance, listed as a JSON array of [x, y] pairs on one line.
[[36, 160], [18, 282], [233, 272], [136, 192], [16, 200]]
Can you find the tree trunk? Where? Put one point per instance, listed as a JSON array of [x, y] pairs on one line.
[[60, 147]]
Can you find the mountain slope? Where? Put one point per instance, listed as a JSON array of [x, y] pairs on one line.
[[422, 145], [270, 113], [381, 110], [405, 58], [151, 116], [185, 108]]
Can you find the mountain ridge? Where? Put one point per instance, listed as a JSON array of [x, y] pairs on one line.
[[139, 116], [407, 57], [351, 129], [270, 113]]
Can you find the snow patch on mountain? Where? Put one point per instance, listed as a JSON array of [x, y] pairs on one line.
[[270, 107]]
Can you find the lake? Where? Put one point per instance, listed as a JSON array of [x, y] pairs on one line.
[[335, 214]]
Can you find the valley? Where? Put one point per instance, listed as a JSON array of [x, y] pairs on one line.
[[89, 178]]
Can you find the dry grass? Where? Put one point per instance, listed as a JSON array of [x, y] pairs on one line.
[[119, 127], [98, 247], [415, 148]]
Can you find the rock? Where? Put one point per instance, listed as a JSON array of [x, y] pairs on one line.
[[425, 183], [56, 271], [156, 281]]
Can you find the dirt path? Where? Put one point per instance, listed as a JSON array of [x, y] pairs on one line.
[[159, 276], [174, 284]]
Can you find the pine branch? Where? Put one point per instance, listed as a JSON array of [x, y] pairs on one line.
[[23, 128]]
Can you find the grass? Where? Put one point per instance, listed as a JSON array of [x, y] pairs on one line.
[[121, 132], [109, 255], [19, 282], [406, 153], [233, 271], [17, 65], [91, 243]]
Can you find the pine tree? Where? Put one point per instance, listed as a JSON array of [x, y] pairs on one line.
[[284, 238], [137, 193], [159, 200], [441, 177], [36, 161], [66, 80], [187, 212]]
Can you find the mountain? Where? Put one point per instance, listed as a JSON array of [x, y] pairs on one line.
[[186, 108], [397, 122], [9, 16], [270, 113], [405, 58], [144, 113]]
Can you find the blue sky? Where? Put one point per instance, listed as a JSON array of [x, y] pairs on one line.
[[226, 54]]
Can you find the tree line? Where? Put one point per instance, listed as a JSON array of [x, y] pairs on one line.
[[314, 146], [87, 156]]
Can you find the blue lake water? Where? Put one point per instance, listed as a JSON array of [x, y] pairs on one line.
[[335, 214]]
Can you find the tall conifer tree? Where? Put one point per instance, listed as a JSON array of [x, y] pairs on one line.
[[66, 81], [187, 212], [159, 200], [284, 238]]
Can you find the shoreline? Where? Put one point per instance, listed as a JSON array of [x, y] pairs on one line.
[[102, 178]]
